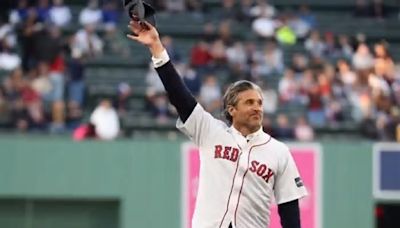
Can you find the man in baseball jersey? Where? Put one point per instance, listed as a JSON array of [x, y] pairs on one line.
[[242, 168]]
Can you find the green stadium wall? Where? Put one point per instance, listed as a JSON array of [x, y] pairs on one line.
[[141, 179]]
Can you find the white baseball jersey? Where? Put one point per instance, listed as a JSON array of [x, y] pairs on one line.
[[239, 175]]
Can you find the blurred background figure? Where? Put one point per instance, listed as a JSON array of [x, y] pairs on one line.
[[105, 121], [123, 95], [302, 130], [91, 14], [60, 14], [283, 128]]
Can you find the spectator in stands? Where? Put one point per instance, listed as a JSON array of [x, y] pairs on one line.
[[306, 81], [264, 26], [115, 44], [324, 85], [345, 74], [244, 12], [331, 50], [253, 53], [174, 6], [315, 114], [124, 91], [160, 108], [174, 53], [154, 84], [41, 82], [299, 63], [384, 60], [9, 59], [300, 27], [345, 48], [200, 56], [263, 9], [86, 43], [285, 35], [74, 115], [236, 56], [361, 101], [382, 123], [26, 35], [42, 10], [396, 86], [273, 58], [314, 44], [190, 77], [305, 14], [228, 10], [302, 130], [58, 104], [283, 130], [76, 85], [209, 32], [19, 14], [210, 94], [7, 34], [267, 126], [288, 87], [48, 44], [91, 14], [334, 112], [60, 14], [225, 33], [110, 15], [270, 103], [5, 112], [362, 58], [218, 54], [105, 121], [29, 109], [379, 80]]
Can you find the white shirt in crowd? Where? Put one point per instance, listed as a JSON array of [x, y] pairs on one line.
[[90, 16], [60, 15], [106, 122], [87, 43], [9, 61]]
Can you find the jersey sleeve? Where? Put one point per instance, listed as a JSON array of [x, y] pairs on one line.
[[288, 184], [198, 126]]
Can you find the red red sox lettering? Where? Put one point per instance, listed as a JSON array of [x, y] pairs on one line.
[[232, 154]]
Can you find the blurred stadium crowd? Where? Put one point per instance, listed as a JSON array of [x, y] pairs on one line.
[[332, 82]]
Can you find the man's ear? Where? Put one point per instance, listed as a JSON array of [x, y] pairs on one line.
[[231, 110]]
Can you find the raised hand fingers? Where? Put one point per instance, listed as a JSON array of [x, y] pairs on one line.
[[133, 37], [135, 27]]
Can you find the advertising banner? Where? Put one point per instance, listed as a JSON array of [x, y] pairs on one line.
[[308, 160]]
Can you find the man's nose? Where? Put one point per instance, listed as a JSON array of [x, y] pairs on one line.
[[257, 107]]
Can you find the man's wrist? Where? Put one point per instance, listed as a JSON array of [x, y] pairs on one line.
[[161, 59], [156, 49]]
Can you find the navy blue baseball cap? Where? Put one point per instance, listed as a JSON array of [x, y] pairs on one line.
[[139, 10]]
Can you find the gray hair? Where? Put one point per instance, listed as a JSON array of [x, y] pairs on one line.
[[231, 95]]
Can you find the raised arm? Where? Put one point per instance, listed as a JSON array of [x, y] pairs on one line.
[[178, 94]]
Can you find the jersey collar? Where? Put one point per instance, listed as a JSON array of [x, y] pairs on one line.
[[247, 138]]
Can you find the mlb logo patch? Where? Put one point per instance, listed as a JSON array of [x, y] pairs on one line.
[[299, 182]]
